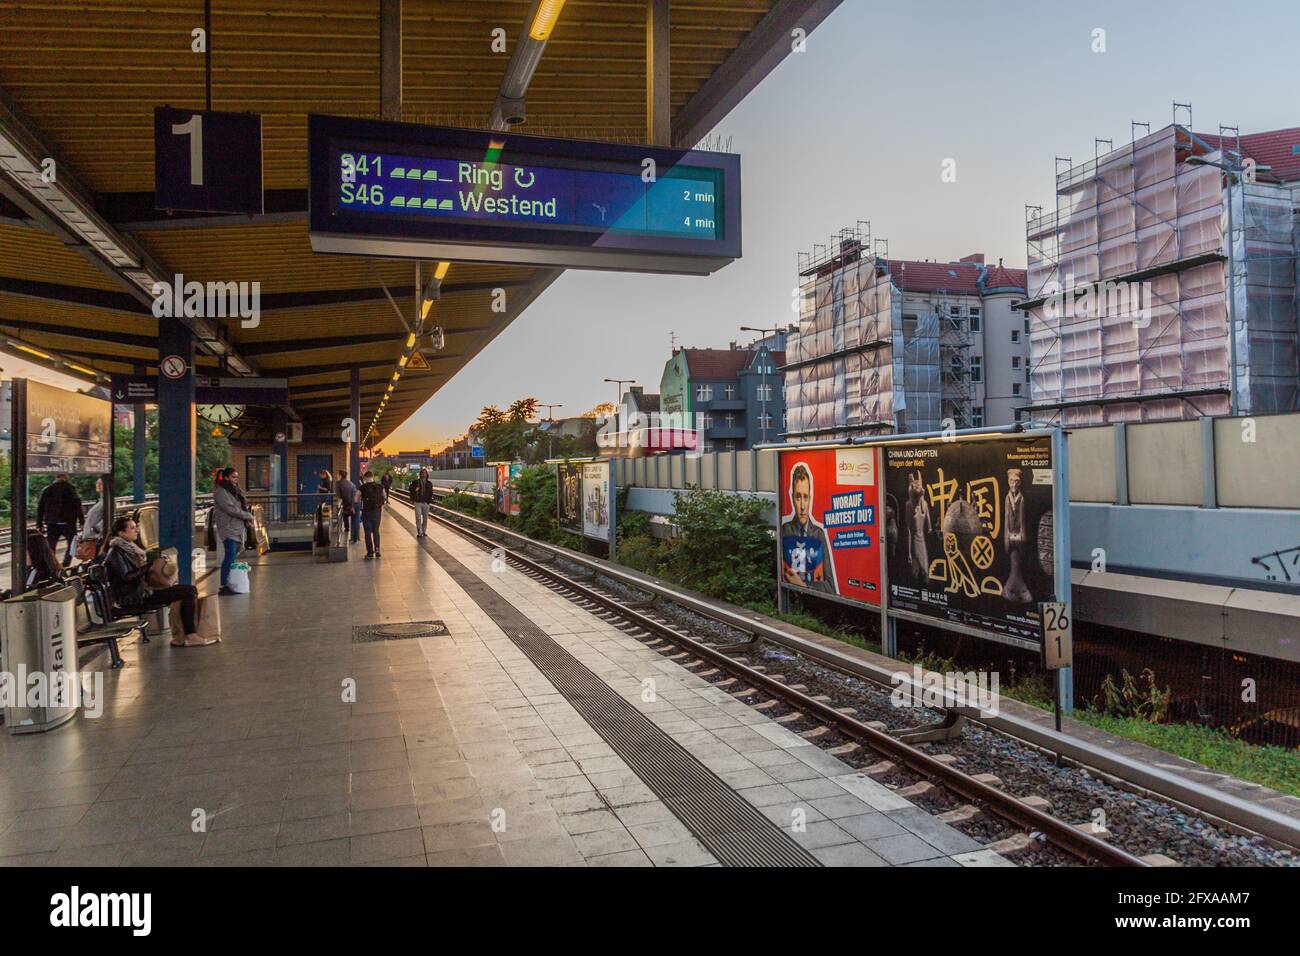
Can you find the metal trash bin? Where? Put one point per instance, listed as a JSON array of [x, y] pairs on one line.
[[39, 641], [159, 622]]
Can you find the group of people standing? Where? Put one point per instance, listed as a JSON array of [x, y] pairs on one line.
[[361, 507]]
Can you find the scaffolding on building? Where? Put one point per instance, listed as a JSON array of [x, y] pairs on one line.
[[856, 366], [1153, 270]]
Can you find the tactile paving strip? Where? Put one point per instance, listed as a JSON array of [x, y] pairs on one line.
[[730, 827]]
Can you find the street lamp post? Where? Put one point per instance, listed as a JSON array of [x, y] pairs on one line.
[[550, 417], [618, 395]]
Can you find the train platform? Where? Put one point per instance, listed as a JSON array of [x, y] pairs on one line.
[[436, 707]]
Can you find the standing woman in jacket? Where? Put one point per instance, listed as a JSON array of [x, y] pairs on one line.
[[230, 516]]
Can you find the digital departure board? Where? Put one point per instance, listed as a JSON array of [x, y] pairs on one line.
[[402, 190]]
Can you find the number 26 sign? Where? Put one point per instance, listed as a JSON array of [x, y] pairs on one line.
[[1058, 635], [205, 161]]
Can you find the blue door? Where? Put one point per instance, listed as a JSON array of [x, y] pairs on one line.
[[309, 479]]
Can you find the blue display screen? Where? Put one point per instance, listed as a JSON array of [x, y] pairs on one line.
[[682, 202]]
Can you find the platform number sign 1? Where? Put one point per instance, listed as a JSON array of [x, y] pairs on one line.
[[1058, 633], [205, 161]]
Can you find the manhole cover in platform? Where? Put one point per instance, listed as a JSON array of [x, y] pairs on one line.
[[397, 632]]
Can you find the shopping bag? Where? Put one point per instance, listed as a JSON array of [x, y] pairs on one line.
[[207, 618], [238, 581]]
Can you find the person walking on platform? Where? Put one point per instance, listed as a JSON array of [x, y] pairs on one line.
[[421, 496], [372, 510], [347, 494], [387, 482], [92, 529], [58, 513], [230, 518]]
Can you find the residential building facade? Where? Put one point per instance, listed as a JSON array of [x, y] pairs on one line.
[[1165, 280], [732, 398], [893, 345]]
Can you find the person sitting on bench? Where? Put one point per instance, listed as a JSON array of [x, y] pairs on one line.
[[128, 567]]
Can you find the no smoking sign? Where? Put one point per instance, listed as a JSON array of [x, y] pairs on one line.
[[173, 366]]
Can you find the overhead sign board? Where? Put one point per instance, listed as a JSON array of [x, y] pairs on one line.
[[134, 390], [232, 390], [205, 161], [830, 522], [432, 192], [67, 431], [974, 542]]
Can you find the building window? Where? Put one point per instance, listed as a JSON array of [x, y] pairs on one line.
[[259, 473], [1019, 414], [707, 448], [1015, 335], [1026, 326], [764, 393], [1015, 361], [975, 321], [1027, 371], [731, 419], [704, 393], [977, 416], [729, 392], [785, 421], [977, 368], [765, 422], [706, 421], [1015, 388]]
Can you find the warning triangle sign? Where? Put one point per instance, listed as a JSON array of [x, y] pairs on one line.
[[418, 361]]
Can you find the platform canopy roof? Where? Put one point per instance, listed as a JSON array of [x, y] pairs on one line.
[[79, 82]]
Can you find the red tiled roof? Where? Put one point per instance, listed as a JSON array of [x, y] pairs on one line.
[[1000, 277], [715, 364], [1273, 148], [960, 277]]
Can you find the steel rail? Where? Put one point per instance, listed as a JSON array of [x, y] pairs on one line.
[[1189, 795], [1065, 835]]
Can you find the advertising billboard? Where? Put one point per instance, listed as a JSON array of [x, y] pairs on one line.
[[970, 531], [512, 491], [503, 486], [568, 491], [597, 505], [830, 522], [67, 432]]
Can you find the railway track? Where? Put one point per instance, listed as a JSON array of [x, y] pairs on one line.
[[973, 802]]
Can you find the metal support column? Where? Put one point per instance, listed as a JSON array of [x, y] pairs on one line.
[[280, 450], [139, 447], [1209, 477], [176, 446], [18, 487], [1061, 551], [390, 60], [354, 412], [658, 75]]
